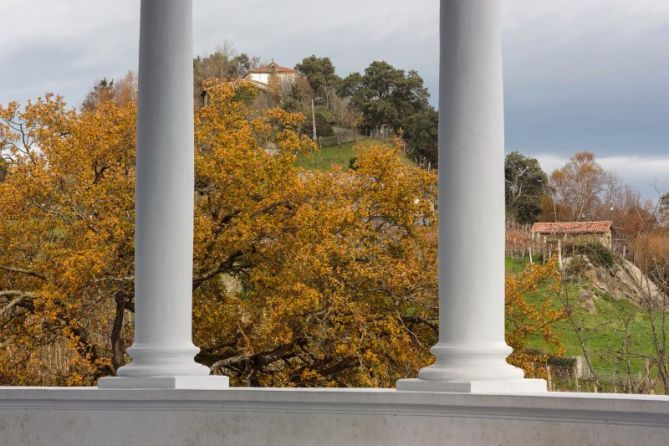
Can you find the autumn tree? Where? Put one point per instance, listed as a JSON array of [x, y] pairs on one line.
[[300, 278], [652, 256], [576, 188], [526, 319], [630, 214], [125, 89], [311, 252], [66, 229], [102, 91], [291, 283], [121, 92], [583, 190]]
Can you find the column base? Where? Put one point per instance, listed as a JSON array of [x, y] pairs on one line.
[[212, 382], [472, 368], [481, 386]]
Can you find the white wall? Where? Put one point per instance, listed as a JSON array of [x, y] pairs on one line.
[[263, 78], [276, 417]]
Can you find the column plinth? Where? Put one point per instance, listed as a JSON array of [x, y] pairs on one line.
[[471, 352], [163, 350]]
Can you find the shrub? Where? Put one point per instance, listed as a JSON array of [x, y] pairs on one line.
[[323, 126], [327, 141], [562, 361], [575, 267], [598, 254]]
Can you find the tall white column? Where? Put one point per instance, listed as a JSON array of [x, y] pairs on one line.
[[163, 351], [471, 352]]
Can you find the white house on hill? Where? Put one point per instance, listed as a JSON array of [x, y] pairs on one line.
[[265, 74]]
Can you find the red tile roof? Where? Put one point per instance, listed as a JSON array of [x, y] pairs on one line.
[[272, 68], [573, 227]]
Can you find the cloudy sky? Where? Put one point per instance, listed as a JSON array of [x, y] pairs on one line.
[[579, 74]]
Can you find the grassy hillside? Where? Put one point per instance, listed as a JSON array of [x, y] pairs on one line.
[[617, 325], [341, 155]]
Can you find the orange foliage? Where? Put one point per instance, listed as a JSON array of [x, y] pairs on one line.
[[525, 319], [651, 253], [300, 278]]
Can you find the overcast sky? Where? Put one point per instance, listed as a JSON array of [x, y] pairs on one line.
[[579, 74]]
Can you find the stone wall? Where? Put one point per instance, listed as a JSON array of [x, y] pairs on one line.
[[278, 417]]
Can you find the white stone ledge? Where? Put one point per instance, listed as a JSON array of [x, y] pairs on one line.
[[255, 417]]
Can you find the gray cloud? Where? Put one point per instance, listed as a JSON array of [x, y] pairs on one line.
[[590, 74], [649, 174]]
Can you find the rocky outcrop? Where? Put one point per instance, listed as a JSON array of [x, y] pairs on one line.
[[587, 300], [622, 281]]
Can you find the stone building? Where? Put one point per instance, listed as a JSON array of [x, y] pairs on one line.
[[601, 231]]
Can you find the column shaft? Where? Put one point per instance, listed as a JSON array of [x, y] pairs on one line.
[[471, 353], [163, 345]]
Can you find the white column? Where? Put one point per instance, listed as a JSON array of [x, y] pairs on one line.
[[163, 351], [471, 352]]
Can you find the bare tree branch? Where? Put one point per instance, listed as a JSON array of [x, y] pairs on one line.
[[13, 269]]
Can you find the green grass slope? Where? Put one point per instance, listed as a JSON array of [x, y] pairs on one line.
[[617, 327], [341, 155]]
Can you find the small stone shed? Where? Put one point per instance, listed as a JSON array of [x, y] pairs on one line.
[[601, 231]]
